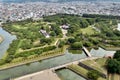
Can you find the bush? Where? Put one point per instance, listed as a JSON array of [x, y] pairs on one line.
[[117, 55], [92, 74], [35, 52], [71, 40], [113, 65], [61, 44], [76, 45]]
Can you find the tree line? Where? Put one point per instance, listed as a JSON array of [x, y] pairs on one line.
[[113, 65]]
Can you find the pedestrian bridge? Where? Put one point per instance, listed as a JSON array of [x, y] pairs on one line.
[[86, 52]]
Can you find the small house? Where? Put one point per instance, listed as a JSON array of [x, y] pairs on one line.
[[45, 33]]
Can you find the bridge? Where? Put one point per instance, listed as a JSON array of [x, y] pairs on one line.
[[86, 52]]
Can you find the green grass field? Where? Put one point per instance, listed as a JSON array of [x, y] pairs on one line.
[[78, 69], [94, 65], [88, 31], [101, 61], [81, 70]]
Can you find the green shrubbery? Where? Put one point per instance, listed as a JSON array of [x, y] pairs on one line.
[[93, 75], [113, 65], [35, 51]]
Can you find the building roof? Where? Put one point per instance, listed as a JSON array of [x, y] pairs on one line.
[[45, 33]]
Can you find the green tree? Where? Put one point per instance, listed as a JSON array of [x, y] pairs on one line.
[[76, 45], [94, 75], [61, 44], [117, 55], [87, 44], [112, 65], [52, 33], [84, 23], [71, 40], [91, 21]]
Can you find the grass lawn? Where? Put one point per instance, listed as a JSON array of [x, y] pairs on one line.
[[75, 51], [94, 65], [78, 69], [19, 27], [81, 70], [101, 61], [88, 31]]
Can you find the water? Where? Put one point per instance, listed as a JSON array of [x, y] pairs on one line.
[[38, 66], [100, 52], [8, 38], [66, 74], [49, 63]]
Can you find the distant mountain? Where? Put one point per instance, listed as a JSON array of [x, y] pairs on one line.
[[54, 0]]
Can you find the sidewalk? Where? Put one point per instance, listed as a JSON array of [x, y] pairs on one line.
[[42, 75]]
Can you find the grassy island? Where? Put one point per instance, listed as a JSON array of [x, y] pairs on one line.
[[40, 37]]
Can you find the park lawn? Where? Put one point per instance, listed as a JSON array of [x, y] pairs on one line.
[[88, 31], [94, 65], [100, 78], [101, 61], [78, 69], [19, 26], [75, 51], [82, 71]]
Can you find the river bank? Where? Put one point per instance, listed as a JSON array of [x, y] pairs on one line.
[[1, 39], [48, 55]]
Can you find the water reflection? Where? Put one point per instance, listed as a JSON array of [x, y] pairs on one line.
[[8, 38], [66, 74], [38, 66], [100, 52]]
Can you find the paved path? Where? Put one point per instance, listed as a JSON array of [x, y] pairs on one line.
[[42, 75], [87, 52]]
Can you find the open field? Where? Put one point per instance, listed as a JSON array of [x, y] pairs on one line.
[[82, 71], [88, 31], [78, 69], [94, 65]]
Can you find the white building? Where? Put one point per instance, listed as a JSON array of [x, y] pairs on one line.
[[45, 33], [64, 27], [118, 28]]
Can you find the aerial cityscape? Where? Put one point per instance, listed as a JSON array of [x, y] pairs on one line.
[[36, 10], [59, 40]]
